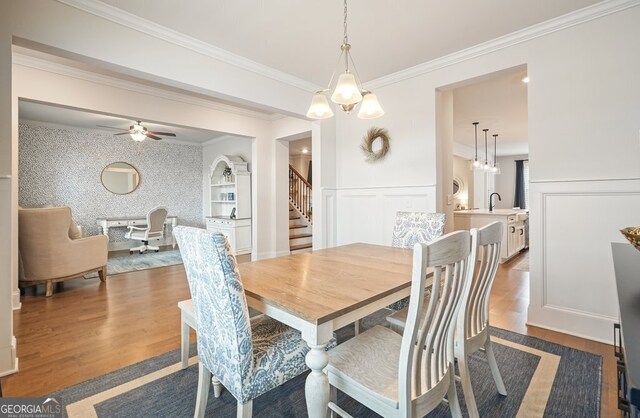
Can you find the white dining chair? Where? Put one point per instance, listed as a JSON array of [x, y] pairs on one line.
[[472, 327], [409, 228], [247, 357], [409, 375]]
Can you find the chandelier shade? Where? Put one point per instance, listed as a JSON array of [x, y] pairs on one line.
[[319, 108], [370, 107], [347, 91]]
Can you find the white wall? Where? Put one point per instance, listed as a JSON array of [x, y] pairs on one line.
[[583, 125], [506, 180]]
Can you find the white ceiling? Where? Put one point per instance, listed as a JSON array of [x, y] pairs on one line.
[[302, 37], [31, 111], [499, 103], [298, 146]]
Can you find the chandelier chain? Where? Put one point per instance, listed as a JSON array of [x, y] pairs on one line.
[[346, 37]]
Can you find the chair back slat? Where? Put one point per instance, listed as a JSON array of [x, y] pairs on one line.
[[427, 343], [476, 312], [225, 345]]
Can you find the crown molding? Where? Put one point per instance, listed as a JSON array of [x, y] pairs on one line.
[[54, 125], [147, 27], [65, 70], [568, 20]]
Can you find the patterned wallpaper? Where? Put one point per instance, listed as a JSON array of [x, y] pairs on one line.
[[61, 166]]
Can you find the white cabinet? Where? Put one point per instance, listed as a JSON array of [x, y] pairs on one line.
[[513, 234], [230, 202]]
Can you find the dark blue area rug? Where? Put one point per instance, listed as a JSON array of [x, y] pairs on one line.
[[542, 379]]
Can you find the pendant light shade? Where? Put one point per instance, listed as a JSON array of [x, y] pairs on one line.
[[475, 164], [347, 91], [496, 168], [319, 108], [370, 107], [486, 166]]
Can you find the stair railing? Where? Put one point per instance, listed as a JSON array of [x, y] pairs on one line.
[[300, 193]]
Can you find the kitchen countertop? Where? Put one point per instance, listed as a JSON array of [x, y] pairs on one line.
[[496, 212]]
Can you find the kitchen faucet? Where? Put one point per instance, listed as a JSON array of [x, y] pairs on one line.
[[491, 205]]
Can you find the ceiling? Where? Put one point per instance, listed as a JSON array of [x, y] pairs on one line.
[[31, 111], [302, 37], [499, 103], [298, 146]]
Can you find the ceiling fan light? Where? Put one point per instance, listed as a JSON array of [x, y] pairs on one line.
[[370, 107], [138, 136], [347, 91], [319, 108]]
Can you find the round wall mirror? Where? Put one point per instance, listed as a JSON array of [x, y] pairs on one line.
[[120, 178], [457, 186]]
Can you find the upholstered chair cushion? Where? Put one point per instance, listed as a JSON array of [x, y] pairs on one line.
[[413, 227]]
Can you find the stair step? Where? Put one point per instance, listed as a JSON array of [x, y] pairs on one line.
[[300, 236], [300, 247], [293, 218], [297, 226]]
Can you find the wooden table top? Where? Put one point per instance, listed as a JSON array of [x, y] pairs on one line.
[[322, 285]]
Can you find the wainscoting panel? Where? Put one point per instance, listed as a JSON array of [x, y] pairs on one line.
[[368, 215], [572, 279]]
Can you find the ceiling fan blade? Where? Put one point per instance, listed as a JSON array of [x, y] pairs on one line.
[[111, 127], [157, 138], [123, 133], [162, 133]]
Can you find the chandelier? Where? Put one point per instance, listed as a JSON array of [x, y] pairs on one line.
[[348, 91]]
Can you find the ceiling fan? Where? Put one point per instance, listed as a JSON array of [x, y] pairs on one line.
[[139, 132]]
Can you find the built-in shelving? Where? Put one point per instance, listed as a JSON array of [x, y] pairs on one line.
[[229, 177]]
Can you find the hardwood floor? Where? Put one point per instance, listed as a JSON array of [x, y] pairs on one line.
[[91, 328]]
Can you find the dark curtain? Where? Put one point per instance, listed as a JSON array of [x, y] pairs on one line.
[[309, 171], [518, 201]]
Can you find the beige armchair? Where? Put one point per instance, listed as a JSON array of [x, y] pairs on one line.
[[48, 254]]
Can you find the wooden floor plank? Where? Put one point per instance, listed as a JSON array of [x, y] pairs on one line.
[[91, 328]]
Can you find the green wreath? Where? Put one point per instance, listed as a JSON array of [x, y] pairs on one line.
[[370, 138]]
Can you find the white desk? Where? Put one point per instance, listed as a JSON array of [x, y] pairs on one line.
[[123, 222]]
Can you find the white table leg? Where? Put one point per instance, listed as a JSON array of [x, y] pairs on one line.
[[317, 385], [184, 342]]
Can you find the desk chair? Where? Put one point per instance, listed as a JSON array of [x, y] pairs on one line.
[[153, 230]]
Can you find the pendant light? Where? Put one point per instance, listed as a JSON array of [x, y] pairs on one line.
[[475, 164], [495, 169], [348, 91], [486, 166]]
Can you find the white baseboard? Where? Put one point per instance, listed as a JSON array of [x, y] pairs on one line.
[[15, 300], [579, 324]]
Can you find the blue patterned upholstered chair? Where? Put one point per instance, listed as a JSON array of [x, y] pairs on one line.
[[248, 358], [413, 227]]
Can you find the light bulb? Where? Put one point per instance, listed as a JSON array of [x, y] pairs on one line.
[[476, 163]]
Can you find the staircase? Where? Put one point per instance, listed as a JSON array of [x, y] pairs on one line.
[[300, 213]]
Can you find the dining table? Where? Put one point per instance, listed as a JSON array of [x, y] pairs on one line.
[[321, 291]]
